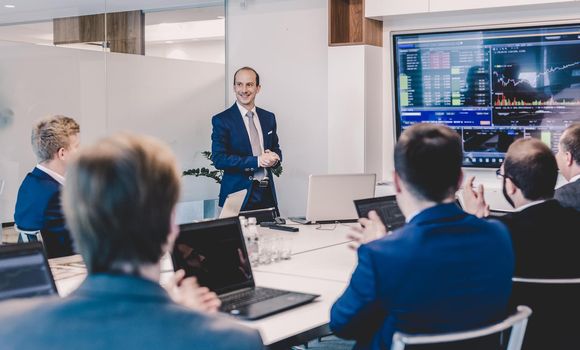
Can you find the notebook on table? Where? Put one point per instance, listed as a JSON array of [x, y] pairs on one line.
[[24, 271], [387, 209], [215, 253]]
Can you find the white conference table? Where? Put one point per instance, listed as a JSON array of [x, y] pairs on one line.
[[314, 237], [335, 263], [321, 263]]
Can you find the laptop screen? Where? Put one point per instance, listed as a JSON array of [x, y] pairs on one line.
[[386, 207], [215, 253], [24, 271]]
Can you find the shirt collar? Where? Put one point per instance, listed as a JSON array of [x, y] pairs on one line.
[[59, 178], [575, 178], [526, 206], [244, 111]]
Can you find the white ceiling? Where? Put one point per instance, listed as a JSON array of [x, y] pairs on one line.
[[185, 24], [45, 10]]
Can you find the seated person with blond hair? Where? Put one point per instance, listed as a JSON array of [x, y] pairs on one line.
[[38, 206]]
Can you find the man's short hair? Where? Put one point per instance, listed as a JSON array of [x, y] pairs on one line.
[[250, 69], [570, 142], [428, 159], [52, 133], [532, 167], [118, 201]]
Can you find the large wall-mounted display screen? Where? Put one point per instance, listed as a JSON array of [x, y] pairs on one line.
[[492, 86]]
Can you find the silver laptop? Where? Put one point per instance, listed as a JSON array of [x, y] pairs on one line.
[[330, 197], [233, 204], [215, 253], [24, 271]]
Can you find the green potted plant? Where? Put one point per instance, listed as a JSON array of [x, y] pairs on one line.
[[216, 174]]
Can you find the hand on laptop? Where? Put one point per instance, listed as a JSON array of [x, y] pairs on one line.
[[186, 292], [370, 229], [473, 200]]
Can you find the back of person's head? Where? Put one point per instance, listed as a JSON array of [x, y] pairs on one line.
[[52, 133], [570, 142], [118, 201], [531, 166], [428, 159]]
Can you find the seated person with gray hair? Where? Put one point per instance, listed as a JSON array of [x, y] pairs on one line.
[[568, 158], [38, 206], [119, 203]]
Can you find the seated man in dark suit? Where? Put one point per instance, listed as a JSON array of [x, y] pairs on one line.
[[544, 233], [544, 236], [444, 271], [38, 208], [119, 202], [568, 158]]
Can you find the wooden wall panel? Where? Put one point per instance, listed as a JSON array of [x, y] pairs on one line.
[[125, 31], [348, 26]]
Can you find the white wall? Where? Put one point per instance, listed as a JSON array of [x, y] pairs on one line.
[[201, 51], [286, 42]]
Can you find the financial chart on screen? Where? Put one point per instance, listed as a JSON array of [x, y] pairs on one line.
[[491, 86]]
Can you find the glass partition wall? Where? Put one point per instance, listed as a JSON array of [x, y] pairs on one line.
[[153, 67]]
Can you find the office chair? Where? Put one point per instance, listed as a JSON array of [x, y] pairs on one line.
[[517, 322], [555, 302], [28, 236]]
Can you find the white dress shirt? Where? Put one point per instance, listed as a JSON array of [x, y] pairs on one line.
[[58, 177], [530, 204], [261, 172], [575, 178]]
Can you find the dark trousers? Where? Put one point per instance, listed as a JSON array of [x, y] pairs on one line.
[[260, 197]]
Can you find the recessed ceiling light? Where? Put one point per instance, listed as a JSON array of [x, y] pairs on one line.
[[9, 6], [220, 17], [169, 42]]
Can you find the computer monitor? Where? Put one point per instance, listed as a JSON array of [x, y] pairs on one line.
[[330, 196], [24, 271], [492, 86]]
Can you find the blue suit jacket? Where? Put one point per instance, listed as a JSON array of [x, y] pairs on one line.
[[110, 312], [232, 152], [38, 207], [444, 271]]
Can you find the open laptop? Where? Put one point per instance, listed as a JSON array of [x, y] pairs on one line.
[[330, 197], [386, 207], [233, 204], [215, 253], [24, 271]]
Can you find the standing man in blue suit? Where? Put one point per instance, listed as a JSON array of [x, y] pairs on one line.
[[38, 208], [444, 271], [245, 145]]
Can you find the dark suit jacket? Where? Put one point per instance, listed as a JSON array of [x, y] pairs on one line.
[[38, 207], [444, 271], [111, 312], [569, 195], [232, 151], [545, 239]]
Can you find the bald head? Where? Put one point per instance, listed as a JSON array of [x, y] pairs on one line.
[[531, 166]]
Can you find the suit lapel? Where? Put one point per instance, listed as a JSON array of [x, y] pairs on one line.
[[265, 127], [238, 124]]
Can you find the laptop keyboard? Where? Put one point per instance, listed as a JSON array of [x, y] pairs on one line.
[[247, 297]]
